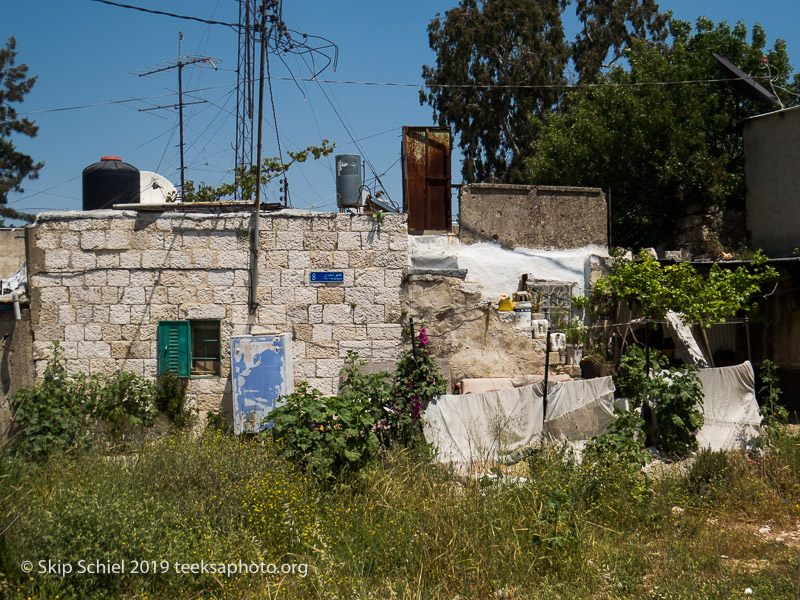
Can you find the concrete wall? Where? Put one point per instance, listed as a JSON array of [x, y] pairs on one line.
[[101, 281], [533, 216], [16, 361], [12, 251], [772, 155]]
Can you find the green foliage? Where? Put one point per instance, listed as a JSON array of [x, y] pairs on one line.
[[495, 46], [773, 412], [417, 381], [16, 166], [62, 413], [630, 379], [171, 398], [708, 476], [678, 397], [334, 436], [245, 178], [612, 467], [644, 284], [687, 132], [511, 58]]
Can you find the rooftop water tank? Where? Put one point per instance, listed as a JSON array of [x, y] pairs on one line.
[[348, 180], [110, 182]]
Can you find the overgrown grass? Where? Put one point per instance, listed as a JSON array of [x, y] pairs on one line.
[[403, 527]]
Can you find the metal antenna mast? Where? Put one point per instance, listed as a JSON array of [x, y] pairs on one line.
[[245, 84], [180, 64]]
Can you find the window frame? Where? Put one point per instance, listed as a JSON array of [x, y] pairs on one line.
[[176, 347]]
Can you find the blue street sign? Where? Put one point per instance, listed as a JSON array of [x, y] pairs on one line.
[[326, 277]]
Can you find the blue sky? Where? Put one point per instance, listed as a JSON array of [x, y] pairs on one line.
[[85, 54]]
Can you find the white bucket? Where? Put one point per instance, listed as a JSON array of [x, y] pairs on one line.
[[522, 314]]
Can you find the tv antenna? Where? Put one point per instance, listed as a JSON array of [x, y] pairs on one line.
[[191, 59]]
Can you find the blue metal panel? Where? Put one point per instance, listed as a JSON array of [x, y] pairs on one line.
[[261, 372]]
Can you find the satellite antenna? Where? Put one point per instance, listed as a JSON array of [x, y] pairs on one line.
[[155, 188], [745, 84]]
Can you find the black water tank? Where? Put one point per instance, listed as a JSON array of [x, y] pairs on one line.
[[110, 182]]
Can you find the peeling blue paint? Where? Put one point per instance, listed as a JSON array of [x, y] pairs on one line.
[[261, 372]]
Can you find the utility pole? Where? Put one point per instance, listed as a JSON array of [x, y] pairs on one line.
[[257, 220], [180, 64]]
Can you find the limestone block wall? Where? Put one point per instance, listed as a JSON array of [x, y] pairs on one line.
[[101, 281], [528, 216]]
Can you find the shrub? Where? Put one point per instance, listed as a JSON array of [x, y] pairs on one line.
[[630, 379], [708, 476], [417, 380], [62, 413], [171, 398], [333, 435], [774, 414], [678, 397]]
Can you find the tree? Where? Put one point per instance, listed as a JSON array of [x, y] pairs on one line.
[[661, 148], [488, 55], [501, 68], [15, 166], [611, 26]]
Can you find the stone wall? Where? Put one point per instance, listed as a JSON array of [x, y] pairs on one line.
[[525, 216], [101, 281], [12, 251], [16, 364], [469, 332]]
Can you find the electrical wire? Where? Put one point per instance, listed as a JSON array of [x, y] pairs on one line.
[[167, 14]]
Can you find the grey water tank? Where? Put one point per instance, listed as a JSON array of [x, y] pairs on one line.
[[348, 180], [110, 182]]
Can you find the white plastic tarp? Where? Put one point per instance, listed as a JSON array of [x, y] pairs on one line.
[[731, 412], [578, 410], [472, 428]]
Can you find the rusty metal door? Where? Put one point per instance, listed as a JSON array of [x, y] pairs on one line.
[[426, 157], [261, 372]]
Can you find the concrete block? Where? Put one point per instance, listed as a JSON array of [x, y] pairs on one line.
[[349, 332], [276, 259], [74, 333], [118, 277], [297, 314], [374, 240], [117, 240], [130, 260], [54, 295], [82, 260], [368, 314], [329, 367], [322, 333], [90, 350], [144, 278], [66, 314], [107, 259], [220, 277], [140, 313], [362, 347], [154, 259], [92, 332], [91, 240], [337, 313], [179, 260], [288, 240], [330, 295], [272, 315], [388, 296], [391, 332], [320, 241], [369, 278], [349, 241], [55, 260], [133, 295], [359, 295], [303, 332], [391, 260], [321, 259], [223, 241], [299, 259]]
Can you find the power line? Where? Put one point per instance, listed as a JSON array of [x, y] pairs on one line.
[[167, 14]]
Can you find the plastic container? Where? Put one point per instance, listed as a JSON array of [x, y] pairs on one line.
[[505, 303], [522, 314]]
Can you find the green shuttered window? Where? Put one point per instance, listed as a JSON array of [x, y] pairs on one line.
[[189, 348]]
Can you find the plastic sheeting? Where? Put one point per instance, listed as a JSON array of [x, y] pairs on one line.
[[578, 410], [472, 428], [731, 412]]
